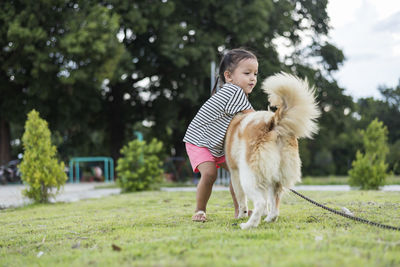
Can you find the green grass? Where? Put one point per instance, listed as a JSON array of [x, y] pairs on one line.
[[155, 229]]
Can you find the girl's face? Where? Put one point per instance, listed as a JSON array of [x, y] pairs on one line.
[[244, 75]]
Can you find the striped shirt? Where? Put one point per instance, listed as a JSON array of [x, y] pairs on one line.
[[209, 126]]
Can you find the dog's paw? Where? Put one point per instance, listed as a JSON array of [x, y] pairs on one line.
[[245, 226], [243, 214], [271, 218]]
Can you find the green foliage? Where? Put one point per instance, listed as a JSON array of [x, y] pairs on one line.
[[323, 160], [95, 69], [173, 51], [331, 55], [386, 110], [369, 169], [140, 165], [55, 57], [40, 169], [394, 157]]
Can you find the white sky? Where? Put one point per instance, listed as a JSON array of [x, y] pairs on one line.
[[368, 32]]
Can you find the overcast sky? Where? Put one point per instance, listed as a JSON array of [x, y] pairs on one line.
[[368, 32]]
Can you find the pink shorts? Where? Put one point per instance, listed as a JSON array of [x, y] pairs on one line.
[[198, 155]]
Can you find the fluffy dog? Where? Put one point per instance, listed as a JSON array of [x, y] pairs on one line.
[[261, 147]]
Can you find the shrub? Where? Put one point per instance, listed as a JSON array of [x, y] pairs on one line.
[[40, 169], [140, 165], [369, 169]]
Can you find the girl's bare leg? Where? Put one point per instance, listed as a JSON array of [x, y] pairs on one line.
[[208, 172]]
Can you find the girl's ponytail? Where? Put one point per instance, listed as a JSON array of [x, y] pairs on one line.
[[214, 90]]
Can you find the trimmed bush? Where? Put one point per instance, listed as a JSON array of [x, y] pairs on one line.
[[140, 165], [369, 169], [40, 169]]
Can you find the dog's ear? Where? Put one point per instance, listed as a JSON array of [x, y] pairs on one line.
[[270, 125]]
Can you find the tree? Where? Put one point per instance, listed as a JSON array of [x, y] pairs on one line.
[[392, 99], [40, 168], [369, 108], [386, 110], [327, 153], [370, 169], [394, 157], [55, 56], [98, 70], [173, 42]]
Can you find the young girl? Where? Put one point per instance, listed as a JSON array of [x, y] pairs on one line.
[[205, 135]]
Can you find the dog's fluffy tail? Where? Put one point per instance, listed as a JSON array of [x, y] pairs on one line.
[[296, 103]]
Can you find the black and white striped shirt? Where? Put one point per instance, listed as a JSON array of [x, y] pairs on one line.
[[209, 126]]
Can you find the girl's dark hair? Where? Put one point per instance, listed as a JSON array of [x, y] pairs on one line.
[[229, 62]]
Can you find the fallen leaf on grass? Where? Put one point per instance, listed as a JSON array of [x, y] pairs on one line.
[[115, 247]]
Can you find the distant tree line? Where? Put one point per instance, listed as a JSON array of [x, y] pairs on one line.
[[99, 70]]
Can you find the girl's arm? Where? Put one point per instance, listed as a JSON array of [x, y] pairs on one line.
[[247, 111]]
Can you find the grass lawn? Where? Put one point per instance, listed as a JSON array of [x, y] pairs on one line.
[[154, 229]]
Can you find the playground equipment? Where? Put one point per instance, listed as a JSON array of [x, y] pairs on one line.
[[139, 135], [108, 167]]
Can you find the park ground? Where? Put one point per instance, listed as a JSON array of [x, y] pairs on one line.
[[154, 228]]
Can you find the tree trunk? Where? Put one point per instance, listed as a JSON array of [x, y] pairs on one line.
[[5, 141]]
